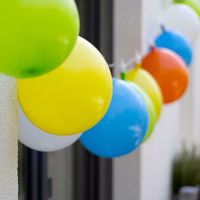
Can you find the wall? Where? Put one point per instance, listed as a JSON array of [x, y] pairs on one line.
[[8, 140], [195, 95], [127, 40]]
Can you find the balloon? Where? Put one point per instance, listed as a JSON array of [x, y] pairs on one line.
[[72, 98], [152, 115], [169, 71], [183, 19], [176, 42], [38, 140], [123, 127], [149, 85], [36, 36], [194, 4], [132, 72]]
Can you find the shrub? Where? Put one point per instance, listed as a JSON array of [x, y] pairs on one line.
[[186, 170]]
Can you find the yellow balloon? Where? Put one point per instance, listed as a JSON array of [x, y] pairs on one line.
[[131, 73], [73, 97], [142, 78]]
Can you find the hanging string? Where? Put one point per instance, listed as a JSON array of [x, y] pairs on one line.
[[162, 27], [123, 69], [130, 64]]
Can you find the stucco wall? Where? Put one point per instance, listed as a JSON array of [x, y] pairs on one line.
[[8, 139]]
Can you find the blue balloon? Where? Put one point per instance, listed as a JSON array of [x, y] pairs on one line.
[[177, 43], [124, 126]]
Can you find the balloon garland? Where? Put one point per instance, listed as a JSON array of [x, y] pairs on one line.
[[65, 88]]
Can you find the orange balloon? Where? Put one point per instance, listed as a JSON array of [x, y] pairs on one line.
[[169, 71]]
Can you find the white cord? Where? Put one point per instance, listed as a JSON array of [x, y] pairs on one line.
[[130, 64]]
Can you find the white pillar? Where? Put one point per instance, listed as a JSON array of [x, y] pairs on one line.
[[8, 139]]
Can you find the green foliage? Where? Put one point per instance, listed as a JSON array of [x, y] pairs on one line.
[[186, 170]]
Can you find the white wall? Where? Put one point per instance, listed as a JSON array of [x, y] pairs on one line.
[[8, 140], [127, 40], [157, 156], [194, 109]]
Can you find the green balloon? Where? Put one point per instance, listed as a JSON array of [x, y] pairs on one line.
[[36, 35], [150, 108], [194, 4]]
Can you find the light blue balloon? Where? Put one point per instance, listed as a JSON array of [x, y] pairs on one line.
[[123, 127], [176, 42]]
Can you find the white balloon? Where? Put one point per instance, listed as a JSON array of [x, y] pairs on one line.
[[38, 140], [183, 19]]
